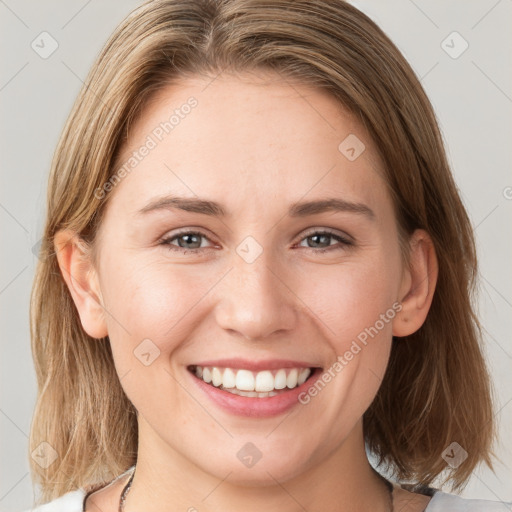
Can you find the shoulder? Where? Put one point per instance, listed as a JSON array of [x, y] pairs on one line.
[[444, 502], [69, 502]]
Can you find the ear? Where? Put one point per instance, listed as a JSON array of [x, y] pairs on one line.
[[418, 285], [73, 256]]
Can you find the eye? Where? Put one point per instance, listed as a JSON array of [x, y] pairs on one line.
[[187, 241], [319, 241]]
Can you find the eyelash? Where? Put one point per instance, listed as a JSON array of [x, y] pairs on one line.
[[167, 241]]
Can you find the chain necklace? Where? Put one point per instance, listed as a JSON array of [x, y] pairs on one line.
[[124, 493]]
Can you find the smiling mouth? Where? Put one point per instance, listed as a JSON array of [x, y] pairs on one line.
[[262, 384]]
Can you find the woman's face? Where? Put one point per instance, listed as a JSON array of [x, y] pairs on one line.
[[212, 253]]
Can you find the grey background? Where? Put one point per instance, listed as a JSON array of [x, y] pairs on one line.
[[473, 101]]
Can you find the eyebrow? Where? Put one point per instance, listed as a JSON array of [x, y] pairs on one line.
[[194, 205], [298, 209]]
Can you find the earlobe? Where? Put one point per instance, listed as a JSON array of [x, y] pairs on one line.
[[418, 285], [82, 281]]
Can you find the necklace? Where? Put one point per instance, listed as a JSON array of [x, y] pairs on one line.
[[125, 491], [126, 488]]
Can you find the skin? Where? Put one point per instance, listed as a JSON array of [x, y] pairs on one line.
[[256, 145]]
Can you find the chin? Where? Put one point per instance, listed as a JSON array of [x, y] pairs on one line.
[[264, 472]]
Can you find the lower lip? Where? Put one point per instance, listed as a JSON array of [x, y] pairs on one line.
[[254, 406]]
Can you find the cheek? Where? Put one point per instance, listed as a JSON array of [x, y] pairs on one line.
[[351, 296], [355, 305], [153, 308], [152, 300]]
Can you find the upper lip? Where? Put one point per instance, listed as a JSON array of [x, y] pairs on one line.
[[245, 364]]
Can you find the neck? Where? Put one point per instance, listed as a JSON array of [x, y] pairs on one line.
[[343, 481]]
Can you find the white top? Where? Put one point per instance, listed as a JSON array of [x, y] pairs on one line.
[[440, 502]]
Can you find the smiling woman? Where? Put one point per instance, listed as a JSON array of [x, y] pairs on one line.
[[231, 317]]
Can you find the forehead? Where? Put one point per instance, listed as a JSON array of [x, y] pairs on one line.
[[246, 140]]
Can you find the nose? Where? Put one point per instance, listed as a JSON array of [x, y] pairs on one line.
[[256, 300]]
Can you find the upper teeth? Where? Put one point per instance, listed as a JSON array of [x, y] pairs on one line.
[[245, 380]]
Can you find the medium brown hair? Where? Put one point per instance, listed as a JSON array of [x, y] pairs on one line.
[[436, 389]]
